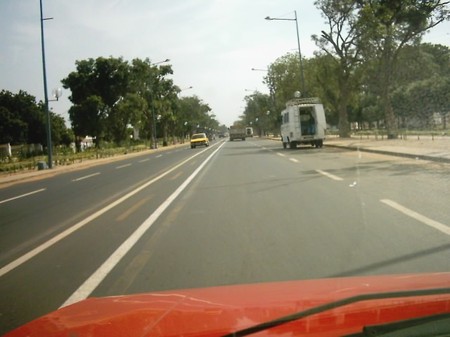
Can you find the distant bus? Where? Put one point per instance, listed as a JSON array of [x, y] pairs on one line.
[[248, 131]]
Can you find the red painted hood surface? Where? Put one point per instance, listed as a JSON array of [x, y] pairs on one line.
[[222, 310]]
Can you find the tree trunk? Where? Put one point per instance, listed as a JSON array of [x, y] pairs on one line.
[[344, 125], [389, 115], [388, 61]]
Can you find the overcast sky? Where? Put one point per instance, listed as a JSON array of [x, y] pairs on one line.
[[212, 44]]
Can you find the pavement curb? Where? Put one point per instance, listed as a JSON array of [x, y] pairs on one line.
[[392, 153]]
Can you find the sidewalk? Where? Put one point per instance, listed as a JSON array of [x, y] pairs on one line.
[[424, 148]]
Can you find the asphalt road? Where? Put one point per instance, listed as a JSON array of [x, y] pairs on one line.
[[236, 212]]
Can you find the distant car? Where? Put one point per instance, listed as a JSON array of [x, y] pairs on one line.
[[199, 139]]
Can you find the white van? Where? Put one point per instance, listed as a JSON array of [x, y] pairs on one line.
[[303, 122]]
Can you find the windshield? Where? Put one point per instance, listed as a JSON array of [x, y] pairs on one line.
[[325, 148]]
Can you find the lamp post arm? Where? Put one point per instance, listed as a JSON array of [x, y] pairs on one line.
[[302, 77]]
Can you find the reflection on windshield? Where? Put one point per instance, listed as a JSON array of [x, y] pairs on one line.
[[324, 134]]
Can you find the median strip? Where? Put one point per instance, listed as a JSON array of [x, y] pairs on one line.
[[122, 166], [329, 175], [86, 177]]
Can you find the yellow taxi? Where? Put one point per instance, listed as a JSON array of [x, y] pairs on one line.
[[198, 139]]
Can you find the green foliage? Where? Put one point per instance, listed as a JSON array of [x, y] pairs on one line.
[[386, 28], [371, 67], [193, 116], [128, 111], [284, 79], [112, 96], [23, 121], [259, 113]]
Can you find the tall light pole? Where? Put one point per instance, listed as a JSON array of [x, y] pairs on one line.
[[302, 78], [44, 75]]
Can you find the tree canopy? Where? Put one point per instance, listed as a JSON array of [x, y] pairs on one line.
[[371, 68], [22, 121], [110, 96]]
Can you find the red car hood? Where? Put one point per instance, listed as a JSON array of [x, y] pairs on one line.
[[222, 310]]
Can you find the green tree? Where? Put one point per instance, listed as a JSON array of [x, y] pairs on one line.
[[386, 27], [259, 113], [88, 118], [150, 82], [323, 82], [166, 106], [193, 115], [340, 43], [60, 134], [416, 102], [12, 129], [283, 79], [127, 112], [22, 119], [96, 86]]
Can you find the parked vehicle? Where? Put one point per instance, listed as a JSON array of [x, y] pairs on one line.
[[303, 122]]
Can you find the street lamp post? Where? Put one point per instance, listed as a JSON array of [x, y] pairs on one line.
[[190, 87], [302, 78], [44, 75]]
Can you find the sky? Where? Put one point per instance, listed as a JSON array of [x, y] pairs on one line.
[[212, 44]]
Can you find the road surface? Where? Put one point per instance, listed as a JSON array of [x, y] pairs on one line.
[[235, 212]]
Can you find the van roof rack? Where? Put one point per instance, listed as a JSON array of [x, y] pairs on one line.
[[299, 101]]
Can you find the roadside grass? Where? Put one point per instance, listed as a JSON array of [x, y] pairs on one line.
[[20, 161]]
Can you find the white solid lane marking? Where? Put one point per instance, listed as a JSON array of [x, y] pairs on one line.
[[22, 195], [122, 166], [329, 175], [419, 217], [98, 276], [86, 177], [293, 160], [39, 249]]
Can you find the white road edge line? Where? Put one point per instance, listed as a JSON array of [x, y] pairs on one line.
[[99, 275], [419, 217], [22, 195], [86, 177], [39, 249], [329, 175]]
